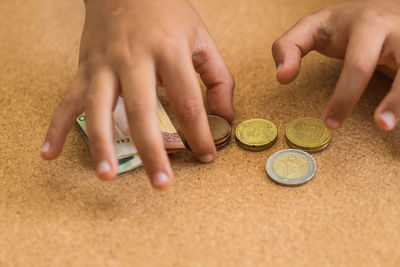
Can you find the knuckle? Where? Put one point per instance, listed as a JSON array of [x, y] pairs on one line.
[[94, 60], [137, 109], [170, 48], [341, 104], [189, 110], [359, 66], [307, 19], [277, 44], [69, 101], [119, 54], [153, 152], [90, 101], [372, 16]]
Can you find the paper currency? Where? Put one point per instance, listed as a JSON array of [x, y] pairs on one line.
[[126, 151]]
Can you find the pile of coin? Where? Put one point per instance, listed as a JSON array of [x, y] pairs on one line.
[[289, 166], [220, 129]]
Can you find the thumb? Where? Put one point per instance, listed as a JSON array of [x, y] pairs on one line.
[[296, 43]]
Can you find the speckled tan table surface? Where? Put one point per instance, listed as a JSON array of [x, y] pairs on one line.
[[228, 213]]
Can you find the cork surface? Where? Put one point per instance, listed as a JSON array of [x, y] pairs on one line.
[[228, 213]]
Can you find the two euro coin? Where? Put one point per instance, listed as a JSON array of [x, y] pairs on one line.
[[291, 167]]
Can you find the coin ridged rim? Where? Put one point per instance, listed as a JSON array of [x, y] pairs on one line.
[[254, 147], [222, 145], [223, 140], [247, 144], [218, 146], [304, 147], [307, 149], [291, 182]]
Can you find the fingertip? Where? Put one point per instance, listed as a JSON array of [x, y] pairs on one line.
[[207, 158], [161, 180], [45, 150], [331, 120], [385, 120], [105, 170], [49, 152], [286, 73], [332, 123]]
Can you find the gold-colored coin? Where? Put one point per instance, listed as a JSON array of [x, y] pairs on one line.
[[256, 134], [308, 134]]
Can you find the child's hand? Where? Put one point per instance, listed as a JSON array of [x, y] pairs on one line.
[[364, 33], [129, 47]]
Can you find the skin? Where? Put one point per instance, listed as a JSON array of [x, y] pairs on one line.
[[128, 48], [365, 34]]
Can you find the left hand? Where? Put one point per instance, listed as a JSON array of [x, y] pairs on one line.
[[364, 33]]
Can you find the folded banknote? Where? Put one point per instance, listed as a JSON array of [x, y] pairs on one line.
[[126, 151]]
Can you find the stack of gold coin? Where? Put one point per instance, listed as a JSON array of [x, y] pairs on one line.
[[308, 134], [256, 134], [221, 131]]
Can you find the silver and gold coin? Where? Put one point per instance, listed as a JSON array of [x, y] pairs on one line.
[[291, 167], [256, 134], [308, 134]]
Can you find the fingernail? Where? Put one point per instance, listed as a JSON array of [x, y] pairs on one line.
[[206, 158], [103, 167], [160, 179], [332, 123], [46, 147], [388, 119]]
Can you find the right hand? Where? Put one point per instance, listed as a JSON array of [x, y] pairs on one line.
[[127, 48]]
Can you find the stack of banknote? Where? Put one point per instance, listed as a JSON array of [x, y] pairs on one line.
[[126, 151]]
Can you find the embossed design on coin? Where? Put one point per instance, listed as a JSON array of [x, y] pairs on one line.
[[291, 167], [256, 134], [308, 134]]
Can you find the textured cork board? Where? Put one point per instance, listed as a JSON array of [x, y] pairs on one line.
[[227, 213]]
